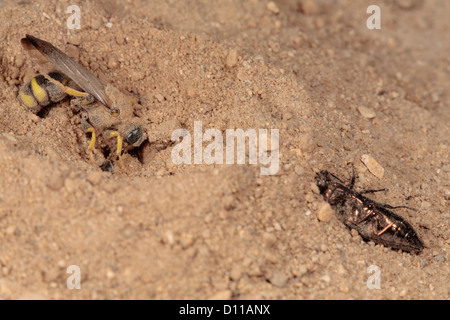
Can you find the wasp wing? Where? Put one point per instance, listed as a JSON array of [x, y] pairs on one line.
[[40, 63], [82, 77]]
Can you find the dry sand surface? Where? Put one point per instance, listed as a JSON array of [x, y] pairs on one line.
[[334, 89]]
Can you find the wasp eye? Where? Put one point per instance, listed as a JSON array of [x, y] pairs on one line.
[[133, 136]]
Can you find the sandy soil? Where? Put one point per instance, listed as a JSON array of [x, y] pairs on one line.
[[163, 231]]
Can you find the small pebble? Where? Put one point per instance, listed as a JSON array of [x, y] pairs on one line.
[[229, 203], [112, 63], [279, 279], [407, 4], [110, 274], [186, 240], [374, 167], [56, 181], [344, 289], [10, 137], [20, 60], [309, 7], [159, 97], [366, 112], [273, 7], [300, 270], [15, 72], [232, 58], [75, 40], [11, 230], [324, 212], [73, 51], [94, 177], [299, 170], [236, 273], [96, 23], [111, 186], [425, 205], [354, 233], [403, 293], [269, 239], [71, 185], [120, 40], [309, 197], [137, 75], [169, 238], [315, 188], [287, 116]]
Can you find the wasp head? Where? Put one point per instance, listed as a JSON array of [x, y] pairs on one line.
[[134, 135]]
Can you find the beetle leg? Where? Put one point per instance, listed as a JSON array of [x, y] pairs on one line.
[[384, 230], [354, 177], [397, 207], [372, 190]]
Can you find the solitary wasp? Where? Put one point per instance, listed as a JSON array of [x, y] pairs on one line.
[[373, 221], [112, 115]]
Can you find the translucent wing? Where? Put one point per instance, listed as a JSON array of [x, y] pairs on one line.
[[61, 61]]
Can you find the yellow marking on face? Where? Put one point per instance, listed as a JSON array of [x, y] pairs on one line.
[[27, 100], [38, 91]]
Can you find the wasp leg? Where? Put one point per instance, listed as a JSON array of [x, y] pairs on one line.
[[68, 90], [83, 98], [92, 144], [113, 134], [74, 93], [81, 101]]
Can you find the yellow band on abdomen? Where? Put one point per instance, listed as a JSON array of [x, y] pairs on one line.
[[27, 100], [38, 91]]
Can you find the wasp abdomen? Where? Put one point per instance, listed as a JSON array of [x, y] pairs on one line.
[[40, 92]]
